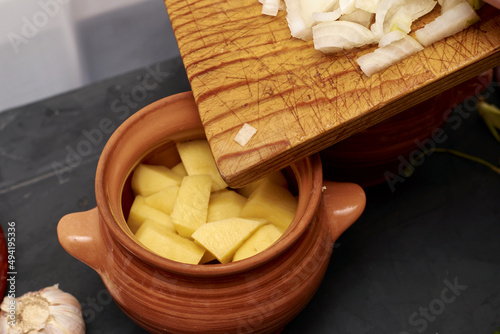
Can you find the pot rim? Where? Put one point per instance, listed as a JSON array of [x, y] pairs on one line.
[[115, 221]]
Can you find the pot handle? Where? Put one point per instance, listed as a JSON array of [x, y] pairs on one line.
[[342, 204], [80, 235]]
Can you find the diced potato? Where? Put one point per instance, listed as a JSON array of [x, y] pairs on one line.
[[148, 179], [207, 257], [179, 169], [264, 237], [222, 238], [224, 204], [275, 177], [198, 159], [163, 200], [191, 206], [140, 212], [272, 202], [169, 244]]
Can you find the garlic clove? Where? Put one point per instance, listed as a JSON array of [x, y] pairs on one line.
[[50, 311]]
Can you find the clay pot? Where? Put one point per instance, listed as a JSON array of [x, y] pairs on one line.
[[260, 294], [367, 156]]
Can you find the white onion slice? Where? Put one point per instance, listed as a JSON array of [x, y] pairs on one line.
[[389, 12], [388, 38], [337, 35], [388, 55], [245, 134], [347, 6], [270, 7], [448, 4], [359, 16], [367, 5], [326, 17], [299, 15], [448, 23]]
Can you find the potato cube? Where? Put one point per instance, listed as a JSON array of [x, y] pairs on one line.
[[163, 200], [222, 238], [207, 257], [140, 212], [276, 177], [191, 206], [224, 204], [198, 159], [179, 169], [148, 179], [169, 244], [272, 202], [264, 237]]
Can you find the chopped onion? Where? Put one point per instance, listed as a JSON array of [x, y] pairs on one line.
[[325, 17], [359, 16], [448, 4], [389, 54], [270, 7], [448, 23], [347, 6], [337, 35], [245, 134], [367, 5], [388, 38], [336, 25], [299, 15], [391, 12]]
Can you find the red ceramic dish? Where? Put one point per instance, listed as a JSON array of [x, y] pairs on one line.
[[365, 157]]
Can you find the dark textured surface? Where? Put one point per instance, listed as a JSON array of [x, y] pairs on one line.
[[390, 272]]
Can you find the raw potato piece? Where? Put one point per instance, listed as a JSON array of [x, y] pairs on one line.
[[224, 204], [273, 203], [198, 159], [148, 179], [164, 200], [276, 177], [140, 212], [191, 206], [259, 241], [222, 238], [179, 169], [169, 244]]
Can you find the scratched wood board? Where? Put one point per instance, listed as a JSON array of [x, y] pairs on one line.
[[244, 67]]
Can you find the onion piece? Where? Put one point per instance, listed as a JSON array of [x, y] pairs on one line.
[[367, 5], [448, 23], [270, 7], [448, 4], [347, 6], [359, 16], [299, 15], [388, 55], [388, 38], [245, 134], [326, 17], [390, 12], [334, 36]]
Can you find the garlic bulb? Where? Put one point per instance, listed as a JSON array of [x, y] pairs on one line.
[[49, 310]]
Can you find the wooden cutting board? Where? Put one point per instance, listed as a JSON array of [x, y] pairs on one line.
[[244, 67]]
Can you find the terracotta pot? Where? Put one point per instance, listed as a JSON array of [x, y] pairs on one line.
[[365, 157], [260, 294]]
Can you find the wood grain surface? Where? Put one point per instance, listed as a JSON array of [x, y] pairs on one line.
[[244, 67]]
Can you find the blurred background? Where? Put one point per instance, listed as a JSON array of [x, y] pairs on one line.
[[48, 47]]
